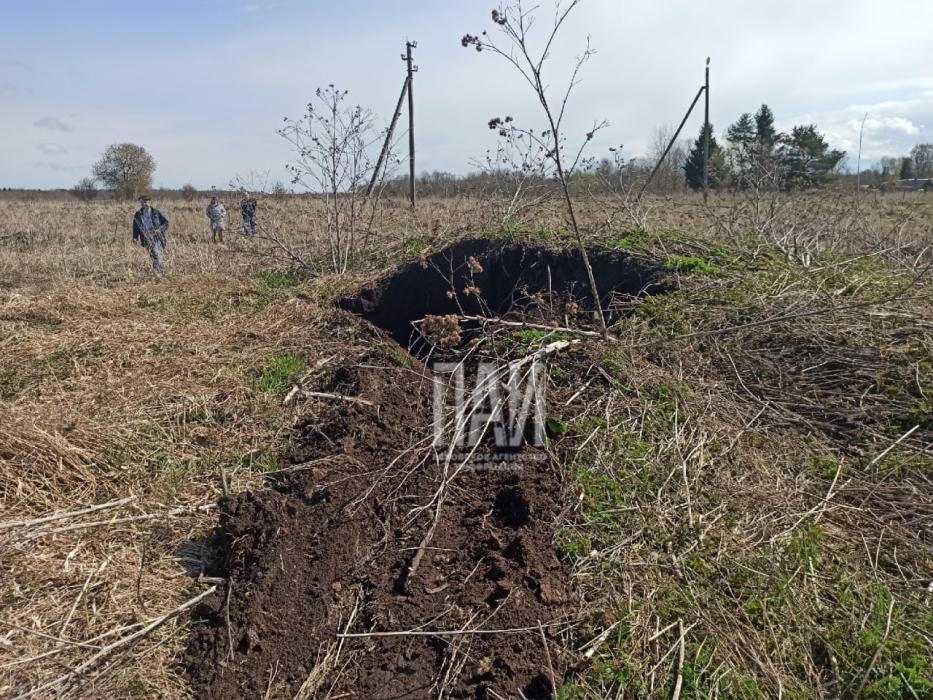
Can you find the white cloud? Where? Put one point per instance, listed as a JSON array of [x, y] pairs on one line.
[[890, 125], [53, 124]]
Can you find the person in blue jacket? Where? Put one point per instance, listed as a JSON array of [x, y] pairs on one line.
[[150, 228]]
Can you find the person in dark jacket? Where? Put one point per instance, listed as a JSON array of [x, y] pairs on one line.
[[150, 228], [248, 212]]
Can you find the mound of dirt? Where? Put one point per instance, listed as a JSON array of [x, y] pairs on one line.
[[328, 553], [355, 577]]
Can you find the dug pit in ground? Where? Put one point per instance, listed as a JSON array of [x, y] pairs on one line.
[[480, 278], [371, 571]]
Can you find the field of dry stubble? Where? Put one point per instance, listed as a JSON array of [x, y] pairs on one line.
[[747, 468]]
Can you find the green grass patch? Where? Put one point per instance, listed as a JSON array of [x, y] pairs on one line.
[[692, 265], [903, 657], [185, 308], [11, 383], [278, 372], [537, 336], [279, 279], [824, 466], [414, 246], [666, 314], [636, 239]]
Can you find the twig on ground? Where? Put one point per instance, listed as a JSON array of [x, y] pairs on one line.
[[298, 392], [444, 633], [120, 521], [547, 652], [129, 639], [65, 514], [678, 684]]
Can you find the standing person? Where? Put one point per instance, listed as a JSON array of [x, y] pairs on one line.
[[149, 228], [217, 215], [248, 212]]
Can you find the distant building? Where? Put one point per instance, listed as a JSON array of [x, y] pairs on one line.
[[916, 184]]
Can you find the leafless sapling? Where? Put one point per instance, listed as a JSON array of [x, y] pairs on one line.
[[515, 23]]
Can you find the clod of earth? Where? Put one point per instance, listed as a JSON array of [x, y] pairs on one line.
[[313, 602]]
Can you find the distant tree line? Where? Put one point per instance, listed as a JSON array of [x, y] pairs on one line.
[[754, 155], [891, 170]]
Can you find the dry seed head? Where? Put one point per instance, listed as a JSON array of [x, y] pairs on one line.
[[443, 331]]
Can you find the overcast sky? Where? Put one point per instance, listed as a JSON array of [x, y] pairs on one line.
[[204, 84]]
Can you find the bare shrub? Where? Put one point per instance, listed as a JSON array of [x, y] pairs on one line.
[[86, 189], [335, 147]]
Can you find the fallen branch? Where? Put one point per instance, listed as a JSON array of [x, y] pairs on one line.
[[298, 392], [877, 654], [120, 521], [65, 514], [444, 633], [113, 646], [537, 326], [598, 640], [678, 684], [547, 652]]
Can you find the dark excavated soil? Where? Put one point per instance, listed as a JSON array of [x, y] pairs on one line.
[[334, 538], [328, 551]]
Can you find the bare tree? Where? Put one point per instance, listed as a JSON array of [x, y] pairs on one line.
[[86, 189], [515, 24], [334, 147], [922, 156], [670, 176]]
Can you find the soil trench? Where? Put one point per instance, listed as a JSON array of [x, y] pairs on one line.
[[478, 277], [328, 552]]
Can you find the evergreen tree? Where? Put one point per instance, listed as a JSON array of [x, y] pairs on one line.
[[765, 133], [766, 169], [907, 168], [806, 157], [693, 168], [742, 139]]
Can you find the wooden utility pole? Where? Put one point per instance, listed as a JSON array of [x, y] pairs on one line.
[[409, 45], [387, 145], [706, 136]]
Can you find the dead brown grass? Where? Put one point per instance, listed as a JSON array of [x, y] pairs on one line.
[[737, 483]]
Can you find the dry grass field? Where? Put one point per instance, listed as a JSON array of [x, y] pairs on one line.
[[747, 499]]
